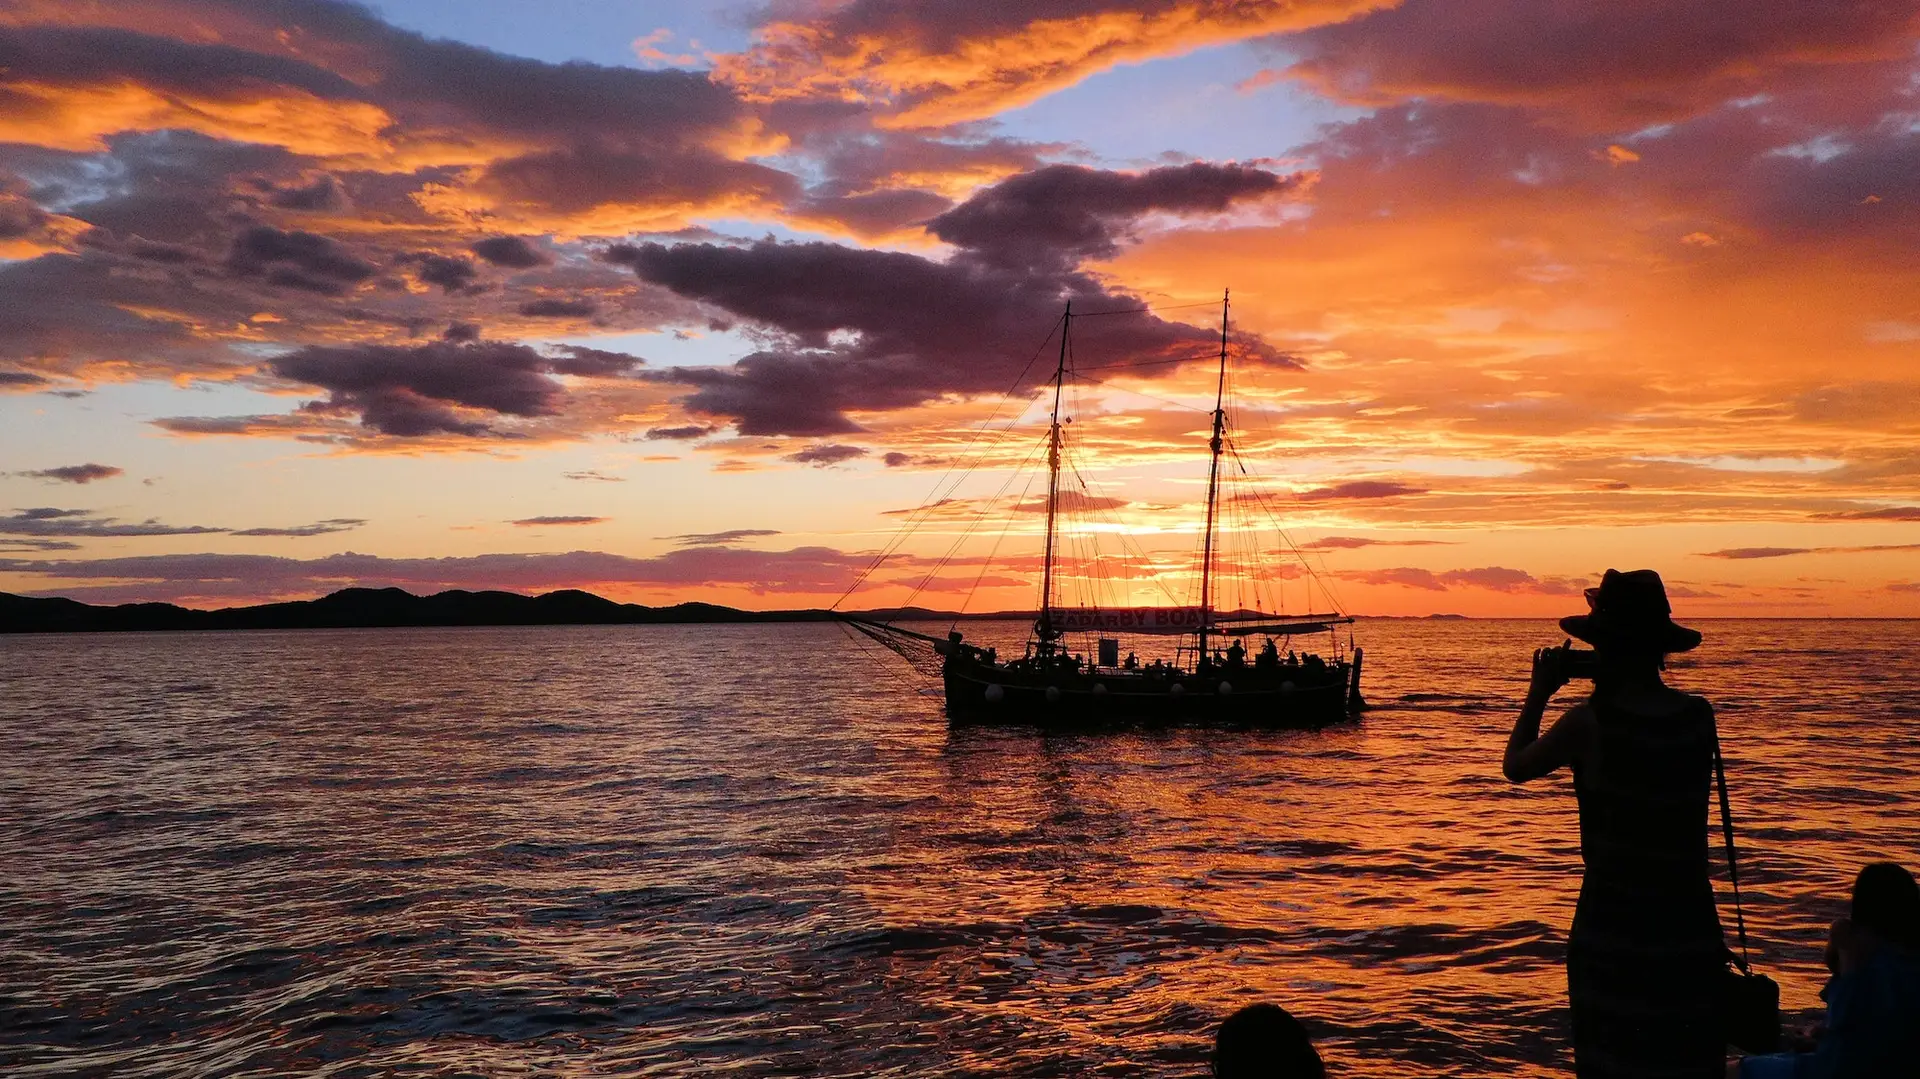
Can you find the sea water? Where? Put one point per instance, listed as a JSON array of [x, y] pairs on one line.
[[760, 850]]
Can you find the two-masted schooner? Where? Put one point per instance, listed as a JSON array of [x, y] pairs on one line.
[[1247, 680]]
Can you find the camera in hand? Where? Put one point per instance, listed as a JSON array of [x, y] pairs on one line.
[[1581, 662]]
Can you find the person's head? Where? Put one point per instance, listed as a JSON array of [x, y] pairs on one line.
[[1629, 622], [1886, 902], [1262, 1041]]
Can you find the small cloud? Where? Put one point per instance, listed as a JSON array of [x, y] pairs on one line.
[[509, 251], [1869, 200], [897, 459], [1491, 578], [687, 433], [1073, 502], [1259, 80], [710, 539], [1359, 489], [558, 308], [86, 473], [21, 378], [318, 528], [22, 546], [1738, 553], [49, 521], [1700, 239], [461, 331], [826, 454], [647, 49], [1885, 513], [1617, 155], [1346, 543], [1903, 586], [1742, 553], [590, 474], [533, 522], [323, 195]]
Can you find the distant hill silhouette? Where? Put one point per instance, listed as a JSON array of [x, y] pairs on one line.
[[371, 607]]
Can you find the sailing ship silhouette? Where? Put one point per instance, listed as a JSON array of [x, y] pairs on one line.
[[1053, 684]]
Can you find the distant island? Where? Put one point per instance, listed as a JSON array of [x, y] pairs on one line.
[[352, 608], [373, 608]]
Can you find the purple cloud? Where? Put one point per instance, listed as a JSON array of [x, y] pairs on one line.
[[318, 528], [411, 391], [558, 308], [86, 473], [712, 539], [512, 252], [821, 456], [299, 260], [921, 329], [49, 521], [1359, 489], [1348, 543]]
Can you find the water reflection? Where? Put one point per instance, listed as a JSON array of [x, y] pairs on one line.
[[583, 851]]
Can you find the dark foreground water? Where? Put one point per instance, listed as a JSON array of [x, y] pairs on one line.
[[754, 851]]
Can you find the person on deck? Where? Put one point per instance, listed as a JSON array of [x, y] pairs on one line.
[[1236, 655], [1269, 657], [1133, 661], [1873, 1000], [1646, 961]]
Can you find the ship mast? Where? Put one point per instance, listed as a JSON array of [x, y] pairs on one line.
[[1213, 483], [1053, 480]]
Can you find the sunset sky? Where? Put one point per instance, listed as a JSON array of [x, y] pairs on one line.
[[671, 300]]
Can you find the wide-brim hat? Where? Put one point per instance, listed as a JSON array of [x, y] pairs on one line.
[[1630, 610]]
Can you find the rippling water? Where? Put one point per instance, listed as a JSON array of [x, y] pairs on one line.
[[756, 851]]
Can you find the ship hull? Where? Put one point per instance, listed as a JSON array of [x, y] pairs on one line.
[[980, 693]]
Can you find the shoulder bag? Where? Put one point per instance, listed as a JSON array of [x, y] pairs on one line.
[[1750, 1005]]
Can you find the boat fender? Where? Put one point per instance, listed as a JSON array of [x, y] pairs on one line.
[[1099, 689], [1176, 689], [995, 694], [1226, 689], [1287, 687], [1053, 694]]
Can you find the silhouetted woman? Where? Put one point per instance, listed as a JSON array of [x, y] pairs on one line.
[[1645, 959]]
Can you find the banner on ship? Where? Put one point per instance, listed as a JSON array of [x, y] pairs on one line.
[[1127, 619]]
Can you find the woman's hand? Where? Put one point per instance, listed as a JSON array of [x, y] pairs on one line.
[[1550, 672]]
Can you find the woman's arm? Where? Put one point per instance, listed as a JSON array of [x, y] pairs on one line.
[[1529, 755]]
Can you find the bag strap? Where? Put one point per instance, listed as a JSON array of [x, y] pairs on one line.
[[1733, 865]]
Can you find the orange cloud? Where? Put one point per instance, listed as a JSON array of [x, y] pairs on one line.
[[934, 65], [78, 118]]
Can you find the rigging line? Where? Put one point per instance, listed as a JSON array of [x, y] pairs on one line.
[[1307, 564], [967, 532], [1126, 539], [1142, 393], [1149, 363], [992, 553], [866, 651], [1320, 578], [1150, 307], [926, 507]]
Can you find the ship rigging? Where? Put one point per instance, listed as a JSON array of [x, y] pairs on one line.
[[1052, 684]]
